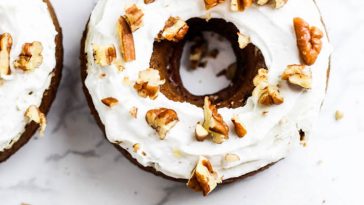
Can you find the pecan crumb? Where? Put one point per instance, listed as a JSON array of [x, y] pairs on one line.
[[243, 40], [239, 127], [339, 115], [149, 1], [34, 114], [110, 101], [212, 3], [134, 112]]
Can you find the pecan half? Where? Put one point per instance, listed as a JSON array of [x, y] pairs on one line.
[[6, 42], [214, 123], [110, 101], [162, 120], [212, 3], [127, 47], [34, 114], [308, 40], [148, 83], [298, 75], [134, 16], [174, 30], [239, 127], [30, 57], [240, 5], [104, 55], [204, 178]]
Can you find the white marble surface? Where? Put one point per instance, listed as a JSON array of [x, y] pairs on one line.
[[73, 164]]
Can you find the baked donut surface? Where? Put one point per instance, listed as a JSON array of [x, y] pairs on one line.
[[35, 55], [272, 131]]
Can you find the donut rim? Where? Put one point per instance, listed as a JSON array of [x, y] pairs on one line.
[[48, 96], [152, 170]]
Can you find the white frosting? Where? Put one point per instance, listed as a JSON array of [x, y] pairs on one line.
[[26, 21], [269, 137]]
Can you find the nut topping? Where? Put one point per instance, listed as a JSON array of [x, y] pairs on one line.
[[266, 93], [126, 39], [110, 101], [204, 178], [214, 123], [148, 83], [175, 30], [6, 42], [262, 77], [298, 75], [243, 40], [275, 3], [308, 40], [162, 120], [134, 112], [212, 3], [240, 5], [239, 127], [149, 1], [201, 133], [134, 16], [30, 57], [34, 114], [104, 55], [231, 158]]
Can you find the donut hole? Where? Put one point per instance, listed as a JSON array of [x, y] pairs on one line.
[[170, 59]]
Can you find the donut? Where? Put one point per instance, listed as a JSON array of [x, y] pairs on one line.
[[131, 60], [31, 56]]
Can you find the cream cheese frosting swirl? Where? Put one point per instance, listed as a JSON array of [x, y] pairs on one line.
[[270, 137], [26, 21]]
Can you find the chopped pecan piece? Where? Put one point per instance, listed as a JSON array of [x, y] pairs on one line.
[[104, 55], [240, 5], [149, 1], [239, 127], [204, 178], [262, 77], [174, 30], [30, 57], [6, 42], [270, 96], [136, 147], [110, 101], [298, 75], [339, 115], [243, 40], [148, 83], [231, 158], [162, 120], [134, 112], [275, 3], [212, 3], [214, 123], [34, 114], [201, 133], [134, 16], [127, 47], [308, 40]]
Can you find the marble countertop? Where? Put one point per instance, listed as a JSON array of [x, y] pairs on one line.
[[73, 164]]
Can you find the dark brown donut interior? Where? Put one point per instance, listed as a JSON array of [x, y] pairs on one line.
[[167, 55]]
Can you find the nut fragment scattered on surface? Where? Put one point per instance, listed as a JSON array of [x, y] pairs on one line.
[[6, 42], [214, 123], [239, 127], [134, 16], [125, 34], [136, 147], [308, 40], [162, 120], [149, 1], [30, 57], [212, 3], [148, 83], [110, 101], [275, 3], [298, 75], [134, 112], [104, 55], [243, 40], [240, 5], [201, 133], [267, 94], [261, 77], [339, 115], [204, 178], [231, 158], [174, 30], [34, 114]]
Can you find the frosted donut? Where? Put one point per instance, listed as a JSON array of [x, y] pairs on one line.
[[31, 57], [132, 51]]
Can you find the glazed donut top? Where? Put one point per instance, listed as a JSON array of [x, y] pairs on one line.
[[269, 136], [26, 21]]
